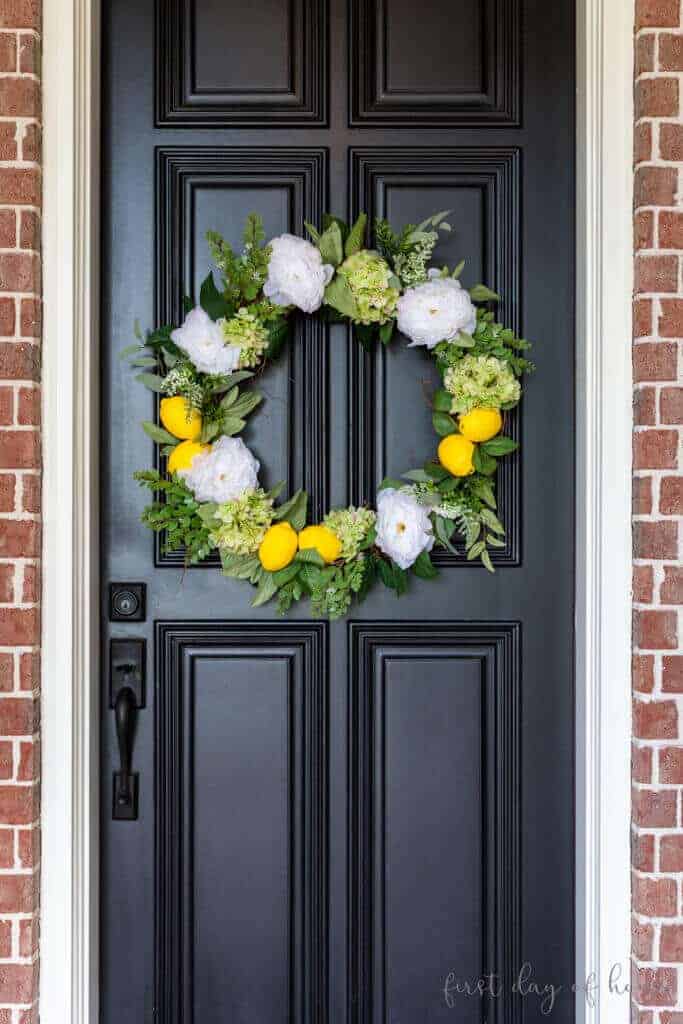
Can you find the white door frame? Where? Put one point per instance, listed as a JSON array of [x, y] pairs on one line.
[[71, 684]]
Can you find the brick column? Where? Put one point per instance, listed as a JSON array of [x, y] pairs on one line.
[[658, 505], [20, 193]]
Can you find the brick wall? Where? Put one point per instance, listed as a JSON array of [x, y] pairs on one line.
[[19, 504], [658, 505]]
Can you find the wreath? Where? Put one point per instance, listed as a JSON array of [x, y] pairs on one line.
[[209, 495]]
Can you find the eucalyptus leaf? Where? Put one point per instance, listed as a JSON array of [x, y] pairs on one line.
[[246, 404], [151, 380], [144, 361], [158, 434], [231, 425], [480, 293], [129, 350], [231, 397]]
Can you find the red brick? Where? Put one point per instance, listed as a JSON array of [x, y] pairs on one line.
[[6, 848], [655, 449], [7, 316], [672, 674], [654, 630], [643, 579], [17, 807], [31, 143], [6, 760], [6, 406], [29, 406], [654, 808], [29, 847], [670, 54], [671, 944], [21, 627], [642, 318], [18, 716], [29, 671], [642, 495], [28, 938], [641, 763], [653, 274], [657, 97], [30, 231], [670, 229], [8, 51], [671, 142], [645, 54], [655, 361], [654, 897], [671, 405], [19, 361], [671, 765], [670, 323], [642, 939], [645, 407], [8, 140], [19, 97], [29, 55], [671, 853], [17, 983], [31, 318], [6, 673], [26, 762], [642, 142], [20, 449], [654, 986], [671, 591], [657, 720], [644, 229], [31, 590], [642, 671], [31, 493], [655, 186], [31, 1017], [657, 13], [8, 229], [20, 14], [6, 583], [671, 496], [642, 851], [654, 540], [20, 271]]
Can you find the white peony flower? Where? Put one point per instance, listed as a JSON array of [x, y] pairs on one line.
[[404, 529], [203, 341], [224, 473], [436, 311], [297, 275]]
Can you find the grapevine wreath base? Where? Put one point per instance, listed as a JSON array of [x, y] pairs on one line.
[[210, 498]]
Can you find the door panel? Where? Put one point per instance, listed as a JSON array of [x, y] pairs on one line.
[[336, 818]]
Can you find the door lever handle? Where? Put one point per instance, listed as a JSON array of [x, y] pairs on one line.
[[125, 781]]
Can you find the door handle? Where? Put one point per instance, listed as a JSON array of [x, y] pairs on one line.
[[125, 781]]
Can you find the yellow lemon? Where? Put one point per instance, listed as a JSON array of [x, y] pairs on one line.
[[455, 454], [179, 418], [480, 424], [278, 547], [182, 455], [325, 542]]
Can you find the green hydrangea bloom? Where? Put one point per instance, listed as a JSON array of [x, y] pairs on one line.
[[246, 330], [478, 382], [240, 525], [351, 526], [368, 276]]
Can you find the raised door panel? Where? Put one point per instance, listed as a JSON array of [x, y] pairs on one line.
[[241, 821], [434, 818], [206, 188], [440, 64], [481, 188], [247, 63]]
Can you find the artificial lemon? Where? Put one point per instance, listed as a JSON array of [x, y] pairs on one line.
[[278, 547], [455, 454], [480, 424], [179, 418], [325, 542], [182, 455]]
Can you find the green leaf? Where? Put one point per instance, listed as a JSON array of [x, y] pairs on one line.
[[331, 246], [329, 219], [494, 542], [144, 361], [313, 232], [207, 512], [278, 333], [283, 576], [246, 404], [231, 425], [500, 446], [443, 424], [390, 482], [158, 434], [151, 380], [188, 304], [486, 560], [459, 269], [435, 471], [365, 334], [482, 462], [386, 573], [311, 556], [338, 294], [211, 429], [463, 340], [386, 332], [492, 521], [424, 568], [294, 510], [480, 293], [276, 490], [267, 589], [241, 567], [238, 377], [476, 550], [129, 350], [451, 483], [444, 529], [356, 236], [230, 398], [483, 489], [418, 475], [442, 400], [211, 300]]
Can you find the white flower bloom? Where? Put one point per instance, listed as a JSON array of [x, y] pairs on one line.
[[224, 473], [404, 529], [436, 311], [297, 275], [202, 339]]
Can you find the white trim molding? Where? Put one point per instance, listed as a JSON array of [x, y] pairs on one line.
[[604, 285], [70, 891], [70, 712]]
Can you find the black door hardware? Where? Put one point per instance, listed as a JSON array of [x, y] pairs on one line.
[[127, 602], [126, 695]]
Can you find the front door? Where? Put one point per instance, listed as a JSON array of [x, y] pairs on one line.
[[352, 822]]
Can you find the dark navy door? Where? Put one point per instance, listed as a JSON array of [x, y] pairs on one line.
[[342, 823]]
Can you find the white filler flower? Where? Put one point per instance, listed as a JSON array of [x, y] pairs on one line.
[[404, 529], [436, 311], [224, 473], [297, 275], [203, 341]]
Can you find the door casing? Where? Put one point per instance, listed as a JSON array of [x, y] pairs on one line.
[[71, 592]]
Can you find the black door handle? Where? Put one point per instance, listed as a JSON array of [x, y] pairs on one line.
[[125, 780]]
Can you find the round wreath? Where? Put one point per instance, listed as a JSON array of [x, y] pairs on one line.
[[210, 498]]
